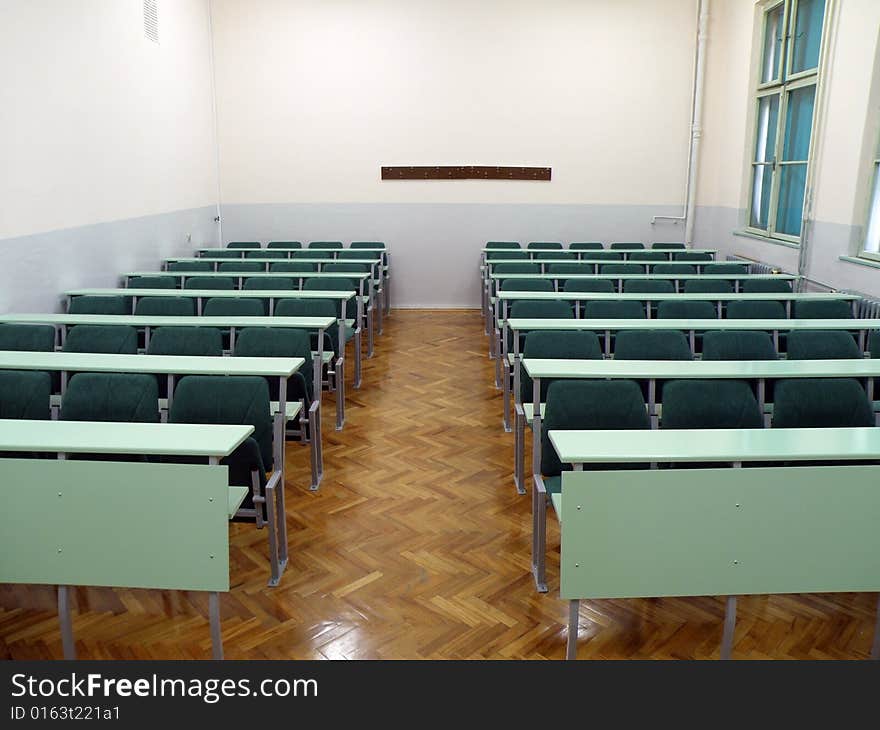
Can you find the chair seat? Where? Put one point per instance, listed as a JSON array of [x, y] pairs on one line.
[[529, 411], [291, 410], [328, 355], [553, 484]]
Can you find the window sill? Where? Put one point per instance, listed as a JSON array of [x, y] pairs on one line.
[[766, 239], [858, 261]]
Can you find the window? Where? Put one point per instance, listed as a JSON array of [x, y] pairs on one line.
[[871, 244], [785, 100]]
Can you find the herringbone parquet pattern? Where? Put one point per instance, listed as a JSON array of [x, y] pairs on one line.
[[417, 546]]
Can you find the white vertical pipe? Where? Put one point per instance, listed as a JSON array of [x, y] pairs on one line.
[[696, 121], [214, 117]]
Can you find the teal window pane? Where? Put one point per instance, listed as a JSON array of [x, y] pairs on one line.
[[872, 238], [799, 123], [768, 118], [807, 35], [792, 181], [772, 55], [762, 180]]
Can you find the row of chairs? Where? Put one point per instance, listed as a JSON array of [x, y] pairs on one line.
[[326, 245], [294, 254], [645, 257], [240, 266], [581, 245], [642, 286]]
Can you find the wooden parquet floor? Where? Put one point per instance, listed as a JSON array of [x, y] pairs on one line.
[[417, 546]]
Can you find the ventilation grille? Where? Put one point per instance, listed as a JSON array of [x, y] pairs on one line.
[[151, 20]]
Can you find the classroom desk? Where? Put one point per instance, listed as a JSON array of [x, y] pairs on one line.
[[170, 531], [719, 531], [759, 371], [595, 264], [586, 253], [62, 322], [272, 295]]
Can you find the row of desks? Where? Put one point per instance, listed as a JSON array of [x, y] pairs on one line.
[[587, 253]]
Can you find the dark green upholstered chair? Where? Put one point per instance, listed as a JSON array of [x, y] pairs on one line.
[[648, 256], [225, 254], [821, 403], [375, 244], [610, 309], [586, 246], [353, 253], [606, 256], [674, 309], [221, 283], [122, 397], [307, 254], [281, 342], [326, 245], [517, 267], [621, 269], [710, 404], [98, 305], [185, 266], [826, 309], [821, 345], [676, 269], [873, 343], [707, 286], [738, 345], [761, 286], [534, 309], [240, 266], [556, 254], [691, 256], [27, 337], [749, 309], [243, 244], [220, 307], [489, 244], [104, 338], [24, 394], [544, 245], [667, 246], [292, 265], [648, 286], [287, 245], [316, 308], [526, 285], [652, 345], [726, 268], [193, 341], [348, 267], [153, 282], [165, 307], [334, 284], [572, 268], [561, 345], [265, 254], [599, 286], [269, 283], [627, 246], [507, 256]]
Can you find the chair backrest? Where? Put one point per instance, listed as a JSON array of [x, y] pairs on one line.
[[353, 253], [310, 254], [605, 256], [517, 267], [226, 399], [489, 244], [651, 345], [746, 309], [691, 256], [648, 286], [105, 338], [269, 282], [282, 266], [550, 309], [544, 245], [123, 397], [370, 244], [265, 254], [627, 246], [284, 244], [873, 344], [586, 246], [610, 309], [564, 345], [526, 285], [738, 345], [223, 283], [550, 255], [347, 267], [325, 244], [621, 269], [572, 268], [726, 268], [98, 305], [226, 254], [185, 266], [330, 284], [241, 266], [708, 286], [674, 269], [279, 342], [760, 286], [825, 309], [243, 244], [820, 403], [27, 337], [710, 404], [153, 282], [674, 309], [306, 308], [192, 341], [667, 246], [648, 256], [165, 307], [507, 256], [599, 286], [589, 404], [24, 394], [222, 307], [821, 345]]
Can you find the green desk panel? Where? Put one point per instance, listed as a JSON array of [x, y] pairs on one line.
[[508, 295], [163, 321], [216, 293], [614, 325]]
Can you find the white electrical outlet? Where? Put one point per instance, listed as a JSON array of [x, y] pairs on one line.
[[189, 237]]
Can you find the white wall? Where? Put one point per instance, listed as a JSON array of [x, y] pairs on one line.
[[314, 96], [107, 142]]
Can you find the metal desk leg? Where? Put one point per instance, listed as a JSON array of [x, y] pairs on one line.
[[214, 617], [281, 466], [875, 648], [571, 640], [67, 640], [729, 628]]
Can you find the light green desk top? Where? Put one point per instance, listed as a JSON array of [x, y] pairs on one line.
[[726, 445], [745, 369], [251, 274], [221, 293], [169, 439], [782, 325], [587, 251], [509, 295], [647, 277], [156, 364], [150, 321], [316, 250], [263, 260], [602, 262]]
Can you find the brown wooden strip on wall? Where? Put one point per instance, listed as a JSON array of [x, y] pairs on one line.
[[465, 172]]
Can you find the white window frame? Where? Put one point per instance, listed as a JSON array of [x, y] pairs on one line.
[[873, 182]]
